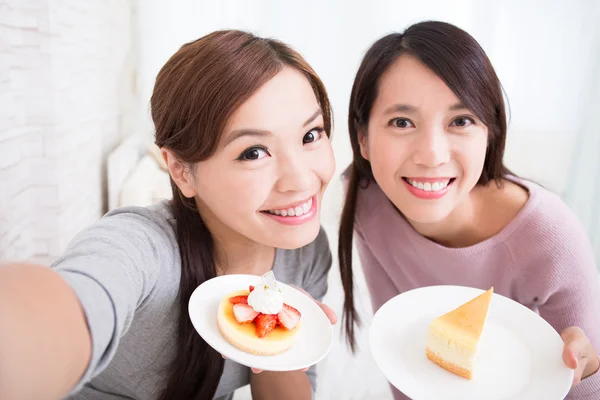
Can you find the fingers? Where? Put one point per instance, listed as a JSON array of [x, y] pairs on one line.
[[576, 343], [329, 312], [575, 351], [331, 315], [578, 375]]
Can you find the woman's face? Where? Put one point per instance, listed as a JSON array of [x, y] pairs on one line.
[[426, 149], [274, 160]]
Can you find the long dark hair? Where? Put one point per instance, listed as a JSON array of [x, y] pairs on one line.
[[195, 94], [454, 56]]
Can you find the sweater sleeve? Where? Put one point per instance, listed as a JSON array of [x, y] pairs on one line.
[[575, 301], [563, 282]]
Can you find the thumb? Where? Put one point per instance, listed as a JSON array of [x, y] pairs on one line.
[[575, 343]]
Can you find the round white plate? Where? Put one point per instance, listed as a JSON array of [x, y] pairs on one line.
[[313, 342], [520, 354]]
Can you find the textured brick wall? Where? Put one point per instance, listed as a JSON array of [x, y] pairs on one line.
[[66, 99]]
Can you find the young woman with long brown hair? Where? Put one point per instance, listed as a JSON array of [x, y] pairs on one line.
[[243, 124], [431, 202]]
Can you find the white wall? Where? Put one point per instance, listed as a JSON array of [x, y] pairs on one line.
[[66, 95]]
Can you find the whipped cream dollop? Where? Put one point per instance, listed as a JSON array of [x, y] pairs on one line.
[[266, 298]]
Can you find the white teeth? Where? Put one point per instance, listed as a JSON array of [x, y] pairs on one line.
[[429, 186], [295, 211]]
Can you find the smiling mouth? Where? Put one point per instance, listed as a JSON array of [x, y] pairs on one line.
[[295, 211], [429, 185]]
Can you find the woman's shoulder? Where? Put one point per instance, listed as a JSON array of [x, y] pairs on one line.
[[548, 208], [547, 224]]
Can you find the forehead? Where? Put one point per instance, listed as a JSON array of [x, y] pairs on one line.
[[285, 101], [408, 81]]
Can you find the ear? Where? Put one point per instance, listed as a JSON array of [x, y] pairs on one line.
[[362, 141], [180, 173]]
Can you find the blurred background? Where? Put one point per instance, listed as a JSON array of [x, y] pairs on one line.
[[75, 133]]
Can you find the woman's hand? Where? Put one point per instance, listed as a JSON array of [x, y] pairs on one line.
[[579, 353]]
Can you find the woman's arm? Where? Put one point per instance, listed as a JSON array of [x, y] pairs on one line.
[[565, 283], [45, 344], [61, 326]]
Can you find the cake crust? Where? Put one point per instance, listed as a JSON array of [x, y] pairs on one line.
[[455, 369]]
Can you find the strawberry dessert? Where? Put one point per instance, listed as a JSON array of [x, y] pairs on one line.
[[257, 320]]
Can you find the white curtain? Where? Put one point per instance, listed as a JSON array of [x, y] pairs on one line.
[[582, 191]]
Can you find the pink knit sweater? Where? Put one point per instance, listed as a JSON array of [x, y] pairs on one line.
[[542, 259]]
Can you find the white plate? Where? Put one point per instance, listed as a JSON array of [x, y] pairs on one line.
[[313, 342], [520, 354]]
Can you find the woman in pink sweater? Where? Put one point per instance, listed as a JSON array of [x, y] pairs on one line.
[[432, 203]]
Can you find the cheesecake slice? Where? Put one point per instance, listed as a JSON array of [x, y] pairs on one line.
[[453, 338]]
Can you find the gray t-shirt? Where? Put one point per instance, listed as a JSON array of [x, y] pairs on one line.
[[125, 270]]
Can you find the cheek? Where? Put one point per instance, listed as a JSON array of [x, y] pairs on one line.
[[234, 193], [474, 156], [386, 155], [470, 156], [324, 163]]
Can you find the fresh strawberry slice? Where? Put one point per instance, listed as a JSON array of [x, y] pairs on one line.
[[238, 300], [265, 323], [244, 313], [288, 317], [251, 288]]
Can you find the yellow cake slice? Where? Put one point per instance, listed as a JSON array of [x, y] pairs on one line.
[[453, 339]]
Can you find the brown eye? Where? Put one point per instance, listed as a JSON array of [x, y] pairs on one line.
[[401, 123], [463, 121], [312, 136], [253, 153], [308, 138]]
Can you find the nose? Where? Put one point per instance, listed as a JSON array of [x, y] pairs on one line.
[[295, 174], [433, 148]]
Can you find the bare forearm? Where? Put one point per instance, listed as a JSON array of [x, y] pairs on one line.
[[45, 345], [293, 385]]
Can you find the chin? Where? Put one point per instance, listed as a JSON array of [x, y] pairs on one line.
[[291, 238], [424, 214], [426, 218]]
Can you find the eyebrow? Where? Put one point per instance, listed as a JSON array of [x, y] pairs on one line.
[[238, 133], [313, 117], [458, 106], [406, 108]]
